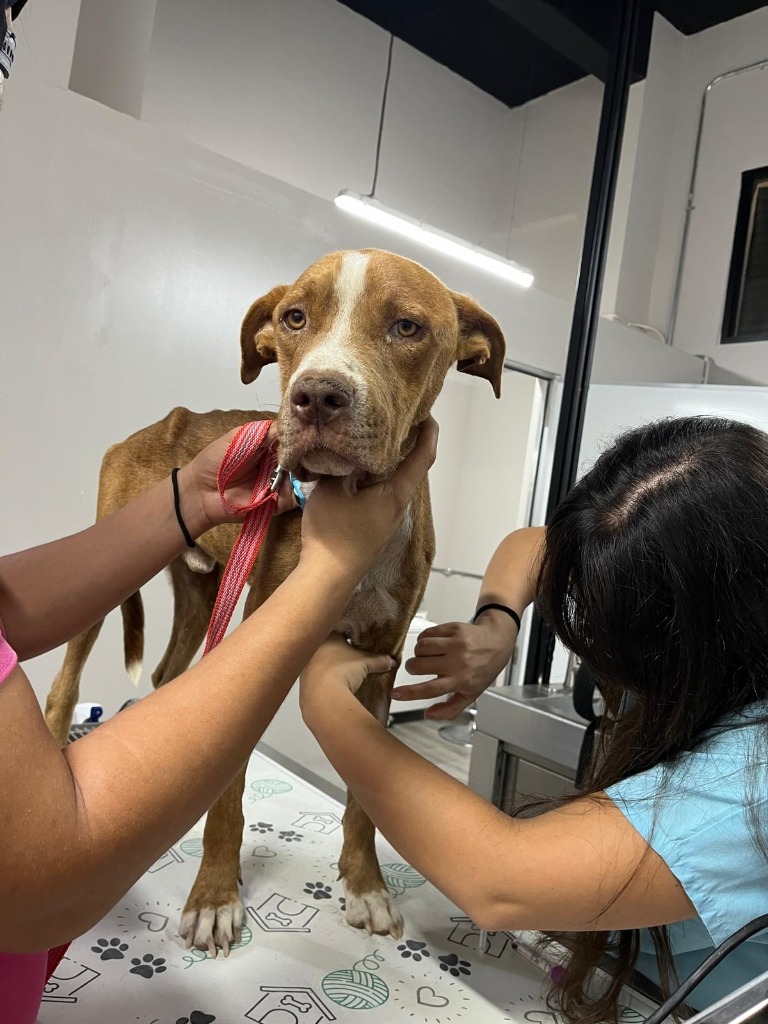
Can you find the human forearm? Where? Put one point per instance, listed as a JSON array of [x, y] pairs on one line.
[[50, 593], [510, 579], [120, 797], [80, 827], [574, 868], [444, 830], [465, 658]]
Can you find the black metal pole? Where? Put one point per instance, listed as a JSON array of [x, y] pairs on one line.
[[587, 304]]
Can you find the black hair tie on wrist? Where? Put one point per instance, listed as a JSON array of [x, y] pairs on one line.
[[177, 507], [501, 608]]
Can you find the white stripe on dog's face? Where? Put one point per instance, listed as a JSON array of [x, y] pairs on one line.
[[333, 353]]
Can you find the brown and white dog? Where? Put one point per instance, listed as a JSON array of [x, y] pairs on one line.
[[363, 341]]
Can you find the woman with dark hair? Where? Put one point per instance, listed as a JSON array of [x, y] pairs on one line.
[[654, 571]]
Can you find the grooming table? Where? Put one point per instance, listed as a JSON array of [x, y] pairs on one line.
[[298, 962]]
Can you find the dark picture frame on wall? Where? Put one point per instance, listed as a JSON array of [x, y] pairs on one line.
[[745, 317]]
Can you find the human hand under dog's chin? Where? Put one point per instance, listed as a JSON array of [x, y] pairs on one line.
[[201, 504], [343, 530]]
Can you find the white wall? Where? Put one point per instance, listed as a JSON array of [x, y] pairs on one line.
[[735, 139], [303, 106], [485, 495], [45, 41], [111, 52], [646, 151], [546, 199]]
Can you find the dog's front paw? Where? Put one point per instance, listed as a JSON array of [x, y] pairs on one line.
[[375, 912], [205, 926]]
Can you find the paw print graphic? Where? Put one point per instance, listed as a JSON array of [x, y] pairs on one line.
[[412, 949], [262, 826], [342, 902], [197, 1017], [148, 966], [454, 966], [112, 950], [318, 890], [291, 837]]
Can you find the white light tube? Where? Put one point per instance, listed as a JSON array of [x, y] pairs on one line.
[[370, 210]]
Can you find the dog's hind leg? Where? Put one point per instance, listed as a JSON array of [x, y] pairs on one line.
[[65, 690], [194, 595], [369, 903]]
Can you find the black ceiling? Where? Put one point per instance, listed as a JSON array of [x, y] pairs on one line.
[[516, 50]]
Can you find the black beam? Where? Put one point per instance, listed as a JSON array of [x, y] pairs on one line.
[[558, 33], [587, 304]]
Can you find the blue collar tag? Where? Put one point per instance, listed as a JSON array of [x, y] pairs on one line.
[[301, 497]]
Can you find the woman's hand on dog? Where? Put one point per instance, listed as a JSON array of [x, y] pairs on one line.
[[347, 531], [337, 663], [464, 659], [350, 527], [199, 487]]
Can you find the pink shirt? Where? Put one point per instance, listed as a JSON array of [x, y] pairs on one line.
[[22, 975], [8, 659]]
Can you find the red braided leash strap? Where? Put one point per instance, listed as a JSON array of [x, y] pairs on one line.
[[258, 514]]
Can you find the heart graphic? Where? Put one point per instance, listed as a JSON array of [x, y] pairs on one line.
[[263, 851], [426, 996], [155, 922]]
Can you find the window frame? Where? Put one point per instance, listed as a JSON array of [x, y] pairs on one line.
[[751, 183]]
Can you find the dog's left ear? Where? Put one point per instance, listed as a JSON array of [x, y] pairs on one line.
[[481, 342], [257, 341]]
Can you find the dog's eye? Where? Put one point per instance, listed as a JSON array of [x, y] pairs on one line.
[[407, 328], [295, 319]]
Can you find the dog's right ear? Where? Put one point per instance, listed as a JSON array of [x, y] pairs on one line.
[[257, 339]]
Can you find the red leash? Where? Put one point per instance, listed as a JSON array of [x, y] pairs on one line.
[[258, 514]]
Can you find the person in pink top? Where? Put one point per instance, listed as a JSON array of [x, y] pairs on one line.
[[80, 825]]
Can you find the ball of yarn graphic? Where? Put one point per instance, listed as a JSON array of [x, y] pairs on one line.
[[399, 877], [355, 990], [192, 847], [245, 937], [263, 788]]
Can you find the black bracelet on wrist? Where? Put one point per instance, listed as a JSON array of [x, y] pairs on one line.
[[501, 608], [177, 507]]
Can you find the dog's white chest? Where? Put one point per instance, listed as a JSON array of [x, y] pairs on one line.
[[373, 602]]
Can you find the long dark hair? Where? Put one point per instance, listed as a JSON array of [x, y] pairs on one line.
[[655, 573]]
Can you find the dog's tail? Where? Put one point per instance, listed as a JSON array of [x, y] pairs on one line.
[[132, 610]]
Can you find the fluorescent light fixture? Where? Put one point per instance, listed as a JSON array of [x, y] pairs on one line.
[[369, 209]]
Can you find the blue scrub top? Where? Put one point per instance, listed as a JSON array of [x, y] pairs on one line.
[[699, 815]]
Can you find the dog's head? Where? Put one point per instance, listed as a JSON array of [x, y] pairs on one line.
[[363, 341]]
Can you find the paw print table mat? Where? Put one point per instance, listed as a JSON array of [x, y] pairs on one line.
[[298, 961]]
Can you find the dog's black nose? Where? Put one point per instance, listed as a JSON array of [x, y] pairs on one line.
[[320, 399]]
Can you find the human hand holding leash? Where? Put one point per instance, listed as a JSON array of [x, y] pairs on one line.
[[198, 484]]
